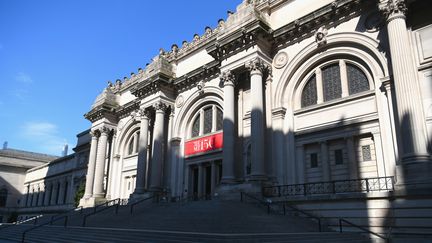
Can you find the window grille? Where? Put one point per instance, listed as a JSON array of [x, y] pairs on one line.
[[309, 95], [219, 119], [331, 82], [196, 127], [357, 80], [366, 153], [208, 120]]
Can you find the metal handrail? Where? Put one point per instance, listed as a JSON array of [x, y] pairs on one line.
[[107, 206], [305, 213], [243, 194], [139, 201], [47, 223], [80, 208], [304, 189], [341, 221]]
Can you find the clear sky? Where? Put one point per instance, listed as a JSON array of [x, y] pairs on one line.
[[57, 56]]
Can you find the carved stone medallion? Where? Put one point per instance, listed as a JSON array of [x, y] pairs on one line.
[[280, 60], [179, 101]]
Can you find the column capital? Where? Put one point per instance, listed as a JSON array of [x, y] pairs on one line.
[[257, 66], [143, 113], [227, 78], [94, 134], [104, 131], [160, 106], [393, 9]]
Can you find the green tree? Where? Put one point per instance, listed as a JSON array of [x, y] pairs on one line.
[[79, 193]]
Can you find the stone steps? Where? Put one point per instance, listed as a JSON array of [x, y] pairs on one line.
[[204, 221]]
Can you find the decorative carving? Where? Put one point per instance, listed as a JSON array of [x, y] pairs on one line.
[[160, 106], [392, 7], [200, 87], [321, 36], [280, 60], [257, 64], [144, 113], [179, 101], [94, 133], [227, 78], [104, 130]]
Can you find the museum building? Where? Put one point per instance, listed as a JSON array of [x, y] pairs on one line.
[[305, 94]]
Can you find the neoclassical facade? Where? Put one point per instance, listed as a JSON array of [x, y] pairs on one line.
[[281, 92]]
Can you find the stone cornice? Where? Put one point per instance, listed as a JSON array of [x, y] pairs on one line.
[[126, 109], [239, 39], [190, 79], [99, 112], [152, 85], [329, 15]]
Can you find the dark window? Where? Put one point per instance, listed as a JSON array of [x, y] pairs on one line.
[[249, 160], [65, 192], [309, 94], [219, 119], [366, 153], [37, 197], [357, 80], [32, 197], [338, 156], [331, 82], [314, 160], [58, 193], [3, 197], [50, 194], [208, 120], [131, 145], [196, 127]]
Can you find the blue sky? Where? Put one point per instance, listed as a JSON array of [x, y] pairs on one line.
[[57, 56]]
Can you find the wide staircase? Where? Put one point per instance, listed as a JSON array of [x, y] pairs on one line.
[[187, 221]]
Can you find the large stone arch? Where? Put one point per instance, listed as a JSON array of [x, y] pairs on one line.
[[192, 104], [339, 44], [124, 133]]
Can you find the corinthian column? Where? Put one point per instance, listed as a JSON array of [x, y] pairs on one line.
[[91, 165], [144, 115], [100, 163], [158, 148], [413, 147], [228, 80], [256, 68]]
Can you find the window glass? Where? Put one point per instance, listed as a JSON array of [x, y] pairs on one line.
[[314, 160], [331, 82], [366, 153], [208, 120], [338, 156], [309, 95], [219, 119], [131, 145], [196, 127], [357, 80]]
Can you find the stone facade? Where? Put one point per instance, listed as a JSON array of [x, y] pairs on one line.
[[13, 167]]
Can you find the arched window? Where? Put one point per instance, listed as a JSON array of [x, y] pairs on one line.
[[331, 79], [309, 95], [3, 197], [328, 81], [132, 146], [357, 80], [208, 120]]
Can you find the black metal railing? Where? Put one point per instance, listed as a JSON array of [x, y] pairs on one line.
[[268, 204], [331, 187], [65, 217], [132, 205], [342, 221], [102, 207]]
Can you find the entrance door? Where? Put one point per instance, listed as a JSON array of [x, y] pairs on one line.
[[195, 181], [208, 182]]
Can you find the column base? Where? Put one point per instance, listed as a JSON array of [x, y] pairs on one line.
[[91, 202], [258, 178], [228, 180], [414, 175]]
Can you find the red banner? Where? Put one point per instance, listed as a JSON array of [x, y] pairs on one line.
[[204, 144]]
